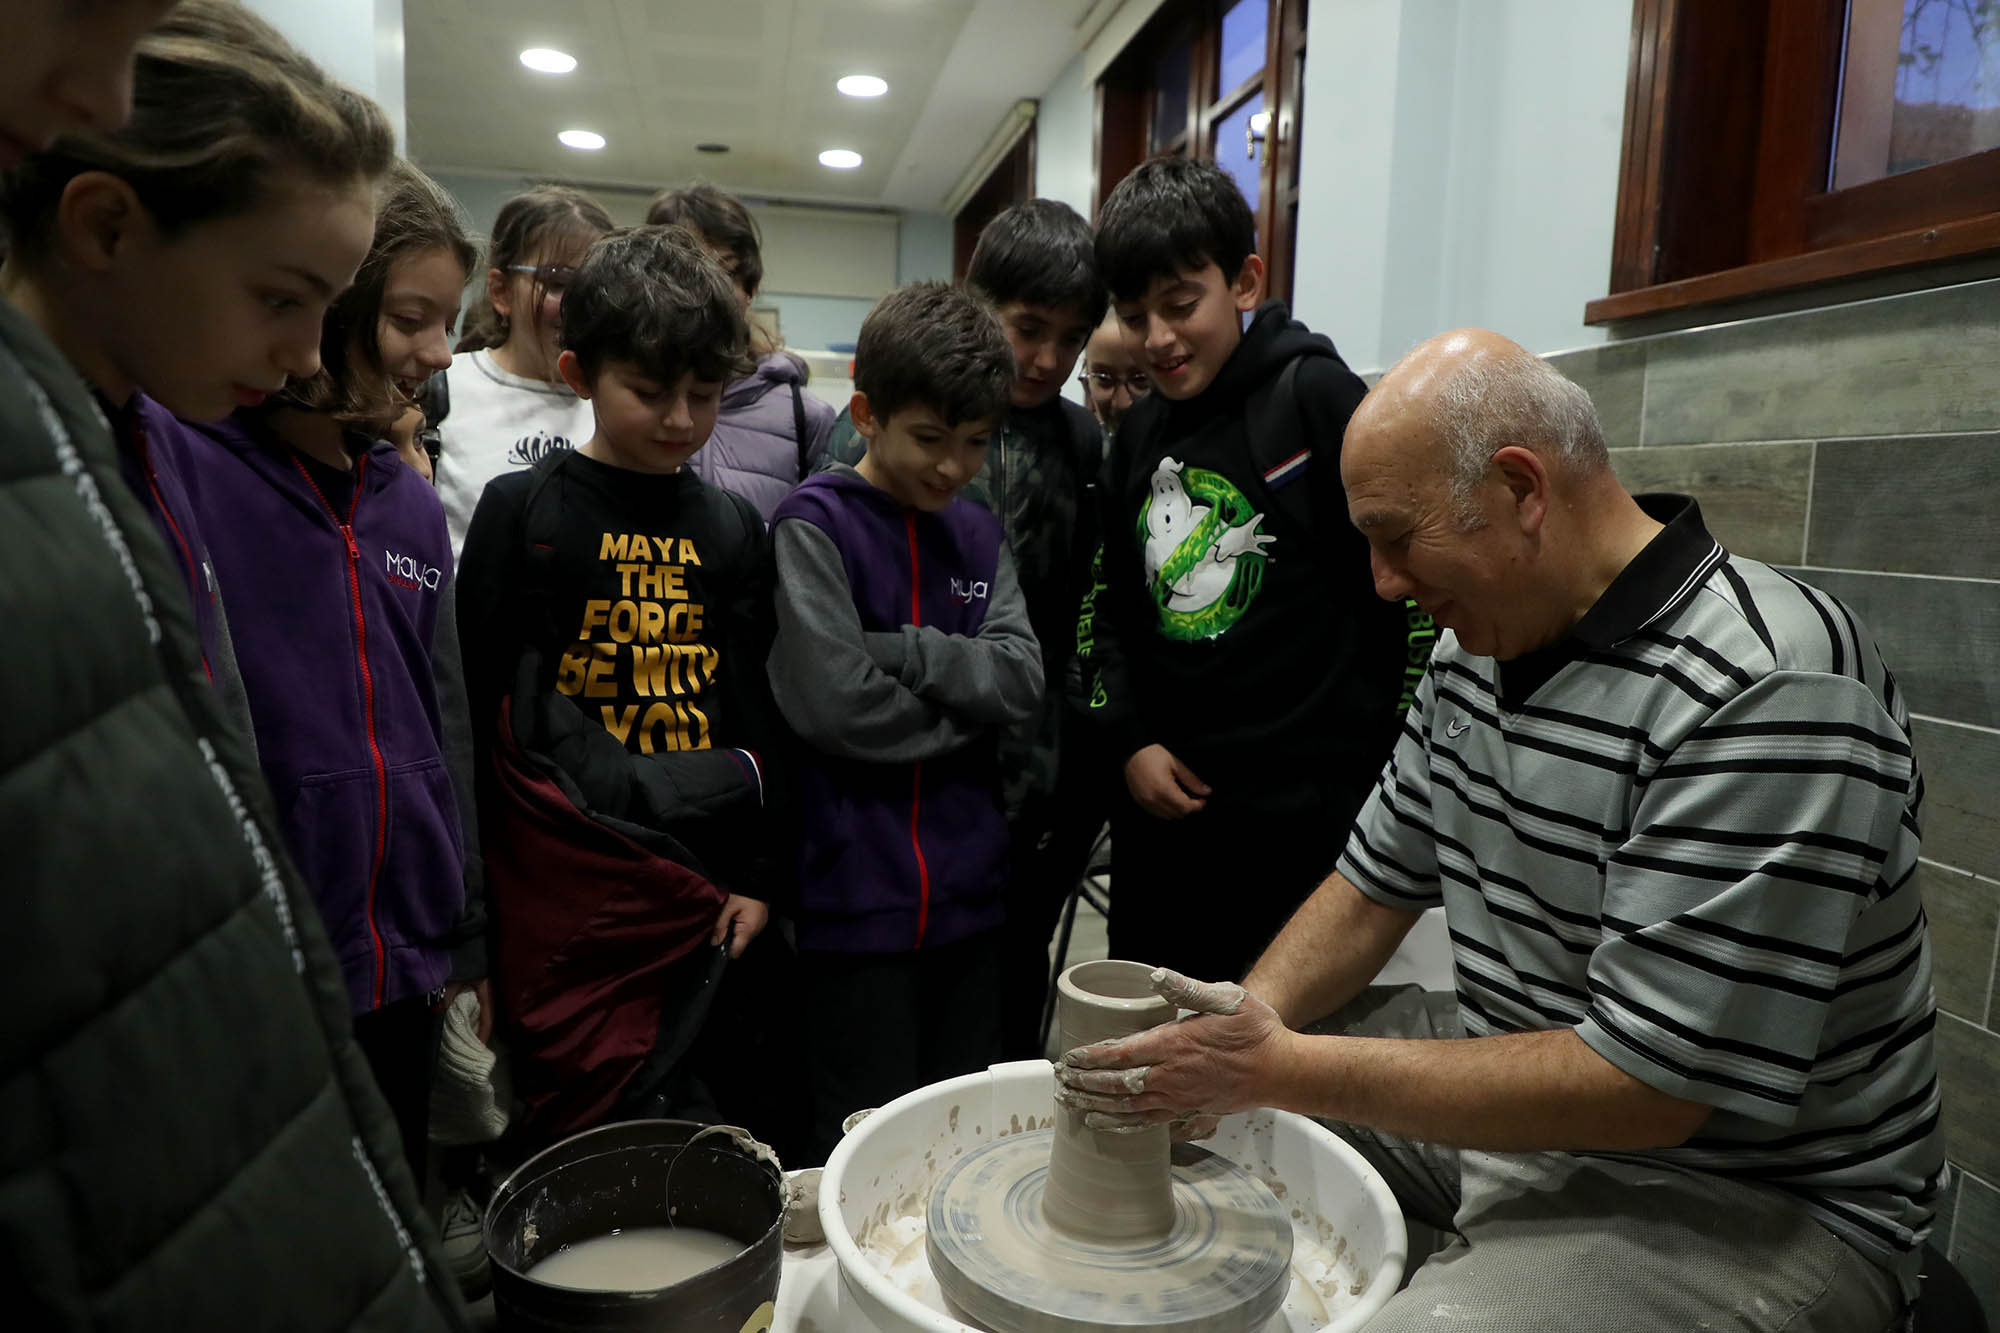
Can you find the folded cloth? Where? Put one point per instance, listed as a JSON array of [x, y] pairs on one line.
[[468, 1094]]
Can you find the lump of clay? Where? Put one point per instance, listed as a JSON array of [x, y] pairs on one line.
[[802, 1208]]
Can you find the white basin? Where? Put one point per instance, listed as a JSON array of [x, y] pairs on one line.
[[1350, 1245]]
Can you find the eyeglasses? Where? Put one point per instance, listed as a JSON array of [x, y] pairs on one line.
[[1106, 382], [553, 277]]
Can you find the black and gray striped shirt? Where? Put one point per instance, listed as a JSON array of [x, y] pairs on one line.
[[1688, 832]]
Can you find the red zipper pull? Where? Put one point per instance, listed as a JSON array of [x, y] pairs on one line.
[[353, 551]]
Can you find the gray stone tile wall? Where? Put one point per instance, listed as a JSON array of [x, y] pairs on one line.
[[1922, 363], [1858, 447]]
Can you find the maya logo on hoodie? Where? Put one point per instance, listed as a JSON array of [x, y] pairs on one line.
[[407, 572]]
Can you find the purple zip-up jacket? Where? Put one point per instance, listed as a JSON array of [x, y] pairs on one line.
[[903, 648], [340, 613]]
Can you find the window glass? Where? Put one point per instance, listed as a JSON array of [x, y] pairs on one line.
[[1171, 78], [1920, 85], [1243, 27], [1239, 146]]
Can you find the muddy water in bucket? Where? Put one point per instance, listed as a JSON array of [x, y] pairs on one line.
[[1075, 1230], [639, 1183]]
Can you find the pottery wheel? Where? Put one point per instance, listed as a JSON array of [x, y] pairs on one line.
[[1223, 1268]]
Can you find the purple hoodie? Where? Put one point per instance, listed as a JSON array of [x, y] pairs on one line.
[[755, 448], [339, 609]]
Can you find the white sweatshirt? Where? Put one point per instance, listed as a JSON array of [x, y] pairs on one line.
[[498, 422]]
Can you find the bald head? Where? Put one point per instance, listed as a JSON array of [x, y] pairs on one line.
[[1469, 393]]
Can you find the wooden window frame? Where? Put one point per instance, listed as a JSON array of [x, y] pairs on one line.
[[1729, 124], [1122, 131], [1011, 181]]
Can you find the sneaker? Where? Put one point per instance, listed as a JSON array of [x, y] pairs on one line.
[[464, 1247]]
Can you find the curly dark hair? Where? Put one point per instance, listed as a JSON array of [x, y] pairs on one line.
[[1172, 215], [934, 345], [655, 298], [1039, 252]]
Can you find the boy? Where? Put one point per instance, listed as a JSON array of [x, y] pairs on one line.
[[611, 606], [1113, 377], [1250, 677], [903, 649], [1035, 264]]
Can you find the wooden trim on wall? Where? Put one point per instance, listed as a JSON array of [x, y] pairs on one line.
[[1963, 187], [1730, 109], [1795, 128], [1950, 240], [1635, 233]]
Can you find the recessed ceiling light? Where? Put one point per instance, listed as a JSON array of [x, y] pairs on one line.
[[862, 85], [588, 140], [545, 61], [711, 148], [843, 159]]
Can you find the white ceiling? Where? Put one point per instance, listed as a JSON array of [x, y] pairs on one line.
[[656, 77]]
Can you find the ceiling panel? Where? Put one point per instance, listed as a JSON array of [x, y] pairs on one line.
[[656, 77]]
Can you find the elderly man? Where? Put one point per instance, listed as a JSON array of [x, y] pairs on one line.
[[1668, 801]]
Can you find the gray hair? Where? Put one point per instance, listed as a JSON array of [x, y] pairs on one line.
[[1490, 402]]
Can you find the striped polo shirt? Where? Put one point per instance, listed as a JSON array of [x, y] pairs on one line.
[[1688, 831]]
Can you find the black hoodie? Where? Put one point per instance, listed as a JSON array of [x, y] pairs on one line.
[[1237, 627]]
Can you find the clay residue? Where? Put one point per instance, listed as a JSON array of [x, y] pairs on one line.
[[951, 1119]]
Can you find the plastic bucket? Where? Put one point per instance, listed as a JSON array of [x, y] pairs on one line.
[[640, 1173]]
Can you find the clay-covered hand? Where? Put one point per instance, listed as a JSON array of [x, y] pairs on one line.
[[1162, 785], [749, 917], [1212, 1062]]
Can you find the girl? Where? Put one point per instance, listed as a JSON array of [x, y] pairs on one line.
[[770, 432], [334, 558], [166, 947], [507, 406], [193, 253]]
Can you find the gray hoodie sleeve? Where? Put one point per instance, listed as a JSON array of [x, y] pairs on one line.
[[823, 675], [994, 677]]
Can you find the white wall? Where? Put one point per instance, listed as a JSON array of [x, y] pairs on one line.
[[358, 41], [923, 248], [1063, 137], [824, 269], [1459, 165]]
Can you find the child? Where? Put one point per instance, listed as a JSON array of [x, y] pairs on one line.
[[1251, 677], [1035, 265], [903, 648], [1113, 378], [504, 406], [614, 607], [167, 949], [770, 431], [333, 556]]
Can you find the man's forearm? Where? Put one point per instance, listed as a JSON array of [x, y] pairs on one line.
[[1331, 948], [1522, 1092]]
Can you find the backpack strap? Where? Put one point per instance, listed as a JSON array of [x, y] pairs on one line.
[[539, 529], [1281, 447], [799, 430]]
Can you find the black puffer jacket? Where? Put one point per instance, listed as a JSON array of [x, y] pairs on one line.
[[188, 1136]]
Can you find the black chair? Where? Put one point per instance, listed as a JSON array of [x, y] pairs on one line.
[[1093, 887], [1946, 1303]]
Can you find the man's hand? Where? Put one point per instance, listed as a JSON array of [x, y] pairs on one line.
[[749, 917], [1164, 787], [482, 990], [1214, 1062]]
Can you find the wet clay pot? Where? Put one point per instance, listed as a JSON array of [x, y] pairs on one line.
[[1101, 1185]]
